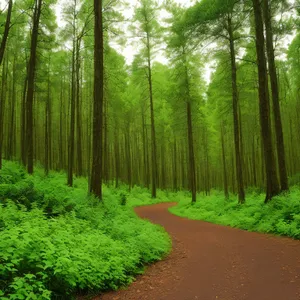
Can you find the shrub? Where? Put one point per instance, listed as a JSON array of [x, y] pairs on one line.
[[280, 216], [60, 241]]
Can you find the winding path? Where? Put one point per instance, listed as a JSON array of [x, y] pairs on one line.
[[216, 262]]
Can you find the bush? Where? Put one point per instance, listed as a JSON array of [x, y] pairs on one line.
[[280, 216], [60, 241]]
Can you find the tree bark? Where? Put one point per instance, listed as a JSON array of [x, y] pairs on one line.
[[2, 107], [96, 173], [78, 112], [61, 142], [6, 31], [225, 179], [192, 169], [23, 123], [238, 158], [153, 138], [275, 97], [272, 188], [30, 88], [117, 157]]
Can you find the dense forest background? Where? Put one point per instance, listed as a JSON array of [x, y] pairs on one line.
[[164, 125]]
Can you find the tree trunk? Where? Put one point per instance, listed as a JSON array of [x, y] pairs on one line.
[[128, 156], [225, 179], [192, 169], [23, 123], [146, 170], [96, 174], [30, 88], [275, 97], [47, 126], [73, 108], [264, 106], [105, 143], [153, 138], [175, 168], [11, 135], [61, 142], [117, 157], [6, 31], [2, 108], [78, 112], [238, 158]]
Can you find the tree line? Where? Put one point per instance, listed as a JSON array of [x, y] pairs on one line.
[[70, 102]]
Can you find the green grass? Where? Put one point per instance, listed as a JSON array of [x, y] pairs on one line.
[[56, 241], [281, 216]]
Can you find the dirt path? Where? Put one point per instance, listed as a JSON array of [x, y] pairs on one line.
[[215, 262]]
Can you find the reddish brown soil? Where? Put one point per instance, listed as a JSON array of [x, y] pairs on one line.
[[215, 262]]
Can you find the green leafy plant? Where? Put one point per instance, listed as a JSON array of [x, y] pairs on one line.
[[63, 241]]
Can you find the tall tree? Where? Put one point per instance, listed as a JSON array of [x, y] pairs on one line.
[[96, 172], [6, 30], [146, 15], [223, 20], [30, 85], [2, 51], [275, 96], [183, 57], [272, 187]]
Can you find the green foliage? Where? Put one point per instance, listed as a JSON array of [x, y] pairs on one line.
[[95, 246], [280, 216]]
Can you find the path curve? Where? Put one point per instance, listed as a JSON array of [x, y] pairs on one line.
[[211, 262]]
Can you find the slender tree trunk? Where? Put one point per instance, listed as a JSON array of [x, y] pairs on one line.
[[47, 126], [78, 112], [175, 168], [128, 156], [11, 135], [23, 123], [6, 31], [30, 88], [275, 97], [117, 157], [153, 138], [264, 106], [254, 161], [105, 143], [61, 141], [96, 174], [225, 179], [73, 108], [2, 107], [163, 165], [192, 169], [238, 158], [145, 158]]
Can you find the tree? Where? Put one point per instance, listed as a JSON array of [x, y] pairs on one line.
[[96, 172], [222, 19], [148, 29], [272, 188], [30, 85], [2, 51], [275, 96], [182, 56]]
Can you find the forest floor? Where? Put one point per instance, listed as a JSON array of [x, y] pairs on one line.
[[210, 261]]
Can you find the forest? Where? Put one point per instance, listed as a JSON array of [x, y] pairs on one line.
[[106, 105]]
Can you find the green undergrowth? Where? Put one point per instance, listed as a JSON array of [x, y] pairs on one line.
[[281, 216], [56, 241], [139, 196]]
